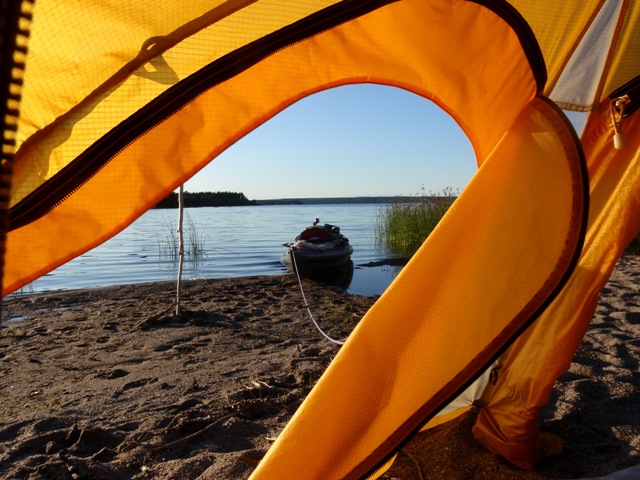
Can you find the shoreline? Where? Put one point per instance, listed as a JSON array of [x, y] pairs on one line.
[[109, 383]]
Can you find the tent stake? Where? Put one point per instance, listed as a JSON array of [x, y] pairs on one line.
[[180, 248]]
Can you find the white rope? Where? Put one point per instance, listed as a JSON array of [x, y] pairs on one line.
[[306, 305]]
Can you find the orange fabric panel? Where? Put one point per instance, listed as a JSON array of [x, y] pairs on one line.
[[508, 424], [404, 44], [491, 263]]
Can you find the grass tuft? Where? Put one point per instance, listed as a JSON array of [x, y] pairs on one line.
[[402, 227], [169, 245]]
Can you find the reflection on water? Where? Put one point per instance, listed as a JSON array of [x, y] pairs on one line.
[[339, 276], [232, 242]]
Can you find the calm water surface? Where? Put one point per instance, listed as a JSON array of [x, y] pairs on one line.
[[231, 241]]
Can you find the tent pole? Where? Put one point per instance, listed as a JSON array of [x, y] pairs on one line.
[[180, 248]]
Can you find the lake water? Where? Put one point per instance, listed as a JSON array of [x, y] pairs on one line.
[[234, 242]]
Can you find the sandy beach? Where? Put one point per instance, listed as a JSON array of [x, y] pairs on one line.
[[110, 383]]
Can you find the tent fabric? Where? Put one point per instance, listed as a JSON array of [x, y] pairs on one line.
[[144, 138], [614, 175], [393, 374], [86, 76], [15, 18], [508, 425], [590, 47], [140, 173], [122, 102]]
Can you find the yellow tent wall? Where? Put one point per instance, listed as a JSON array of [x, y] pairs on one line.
[[15, 19]]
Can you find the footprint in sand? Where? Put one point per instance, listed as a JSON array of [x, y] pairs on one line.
[[138, 383], [111, 374]]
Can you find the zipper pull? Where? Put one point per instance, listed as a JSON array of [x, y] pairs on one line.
[[616, 109]]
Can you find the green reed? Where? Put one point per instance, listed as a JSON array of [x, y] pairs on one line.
[[196, 240], [169, 244], [403, 226]]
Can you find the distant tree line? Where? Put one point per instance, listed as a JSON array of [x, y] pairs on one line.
[[350, 200], [206, 199]]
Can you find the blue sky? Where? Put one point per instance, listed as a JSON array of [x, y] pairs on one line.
[[358, 140]]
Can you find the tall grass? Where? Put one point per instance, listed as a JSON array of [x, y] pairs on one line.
[[195, 239], [168, 241], [403, 226]]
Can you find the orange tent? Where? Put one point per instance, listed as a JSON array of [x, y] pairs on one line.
[[108, 87]]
